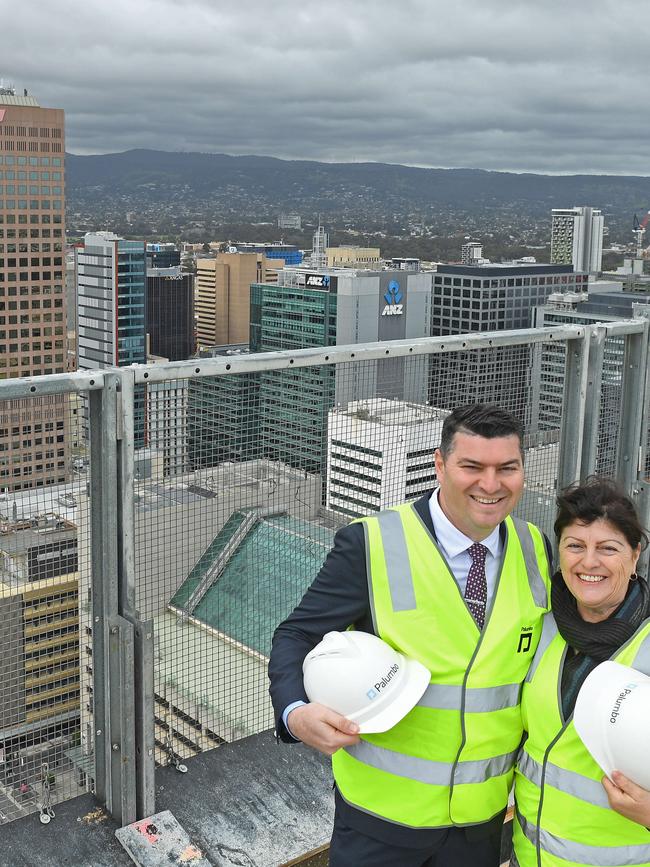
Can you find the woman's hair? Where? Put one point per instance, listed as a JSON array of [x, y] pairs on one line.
[[599, 498]]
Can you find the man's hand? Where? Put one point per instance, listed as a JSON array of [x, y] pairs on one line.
[[322, 728], [628, 799]]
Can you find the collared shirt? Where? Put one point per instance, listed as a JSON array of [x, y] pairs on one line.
[[454, 545]]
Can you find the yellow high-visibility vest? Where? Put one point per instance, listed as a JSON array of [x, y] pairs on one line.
[[450, 760], [575, 824]]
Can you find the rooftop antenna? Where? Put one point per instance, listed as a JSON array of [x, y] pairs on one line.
[[319, 247]]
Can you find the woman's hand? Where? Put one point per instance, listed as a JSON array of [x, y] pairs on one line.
[[627, 798]]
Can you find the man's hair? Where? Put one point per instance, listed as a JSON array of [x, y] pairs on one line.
[[479, 419], [599, 498]]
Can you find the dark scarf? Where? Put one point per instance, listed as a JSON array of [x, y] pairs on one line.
[[593, 643]]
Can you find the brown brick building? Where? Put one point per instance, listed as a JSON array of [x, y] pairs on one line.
[[34, 433]]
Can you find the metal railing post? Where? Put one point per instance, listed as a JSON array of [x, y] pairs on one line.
[[143, 681], [591, 427], [113, 639], [633, 390], [573, 410]]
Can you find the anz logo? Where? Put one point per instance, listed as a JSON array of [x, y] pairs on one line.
[[317, 281], [393, 298]]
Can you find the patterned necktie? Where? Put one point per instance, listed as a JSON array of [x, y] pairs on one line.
[[476, 587]]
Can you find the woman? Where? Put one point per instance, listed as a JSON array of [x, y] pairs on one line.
[[567, 813]]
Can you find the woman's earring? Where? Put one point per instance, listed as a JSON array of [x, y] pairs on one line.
[[633, 576]]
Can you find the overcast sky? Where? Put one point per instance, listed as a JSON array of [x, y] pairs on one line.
[[549, 86]]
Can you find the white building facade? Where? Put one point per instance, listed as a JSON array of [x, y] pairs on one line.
[[577, 238], [380, 453]]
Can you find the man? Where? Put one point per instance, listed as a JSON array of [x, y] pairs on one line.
[[455, 582]]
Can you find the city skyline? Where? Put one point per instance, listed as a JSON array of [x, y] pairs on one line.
[[526, 87]]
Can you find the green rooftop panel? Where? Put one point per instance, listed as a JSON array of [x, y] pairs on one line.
[[262, 581]]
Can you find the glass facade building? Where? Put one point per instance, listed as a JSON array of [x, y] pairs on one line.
[[294, 403], [111, 298]]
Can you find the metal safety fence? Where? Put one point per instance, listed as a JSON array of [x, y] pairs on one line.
[[197, 500]]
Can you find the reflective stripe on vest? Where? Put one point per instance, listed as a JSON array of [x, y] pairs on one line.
[[398, 567], [584, 788], [426, 771], [477, 700], [537, 585], [582, 853]]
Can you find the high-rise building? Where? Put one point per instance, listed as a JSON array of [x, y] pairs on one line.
[[34, 447], [577, 238], [587, 309], [223, 295], [471, 253], [170, 313], [111, 297], [227, 404], [468, 299], [289, 221], [318, 309], [379, 454], [162, 255], [349, 256], [167, 422], [39, 633]]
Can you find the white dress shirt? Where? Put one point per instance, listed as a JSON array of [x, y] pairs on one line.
[[454, 545]]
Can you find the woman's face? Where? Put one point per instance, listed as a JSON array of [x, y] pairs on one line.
[[596, 562]]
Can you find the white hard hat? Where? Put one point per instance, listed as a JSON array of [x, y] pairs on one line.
[[611, 717], [364, 679]]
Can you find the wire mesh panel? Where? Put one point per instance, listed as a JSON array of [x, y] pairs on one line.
[[45, 626], [268, 464], [610, 422]]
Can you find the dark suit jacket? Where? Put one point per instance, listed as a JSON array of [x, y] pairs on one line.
[[338, 598]]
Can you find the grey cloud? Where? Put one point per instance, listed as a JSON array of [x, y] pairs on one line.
[[501, 84]]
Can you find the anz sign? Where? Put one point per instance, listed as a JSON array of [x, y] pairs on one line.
[[317, 281], [393, 297]]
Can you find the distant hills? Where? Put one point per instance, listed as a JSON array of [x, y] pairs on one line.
[[245, 186]]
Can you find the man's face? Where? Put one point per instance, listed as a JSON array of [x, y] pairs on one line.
[[481, 481]]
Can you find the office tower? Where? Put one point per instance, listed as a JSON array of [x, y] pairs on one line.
[[289, 221], [33, 332], [227, 404], [405, 263], [587, 309], [111, 297], [577, 238], [468, 299], [380, 453], [162, 255], [289, 254], [170, 313], [350, 256], [167, 422], [223, 295], [319, 309], [39, 635], [471, 253]]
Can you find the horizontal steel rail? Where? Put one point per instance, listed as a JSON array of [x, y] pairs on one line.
[[52, 383], [86, 380], [356, 352]]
